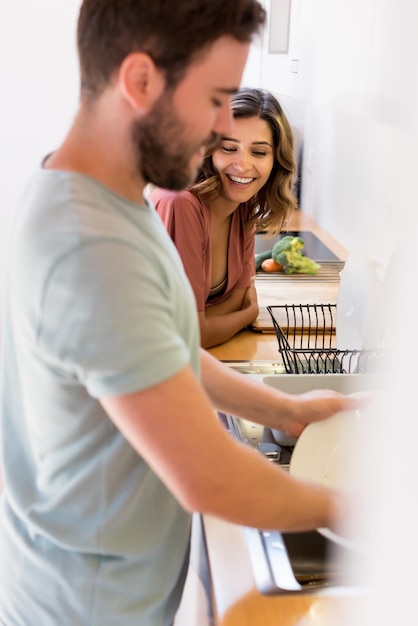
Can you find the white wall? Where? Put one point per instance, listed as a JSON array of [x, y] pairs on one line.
[[39, 91], [354, 97]]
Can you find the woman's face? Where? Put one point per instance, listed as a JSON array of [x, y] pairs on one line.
[[245, 159]]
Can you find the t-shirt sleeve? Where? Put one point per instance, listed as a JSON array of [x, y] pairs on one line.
[[186, 222], [113, 330]]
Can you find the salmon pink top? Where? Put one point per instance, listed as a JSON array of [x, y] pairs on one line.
[[187, 220]]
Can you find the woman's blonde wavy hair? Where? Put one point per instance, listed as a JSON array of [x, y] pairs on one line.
[[270, 208]]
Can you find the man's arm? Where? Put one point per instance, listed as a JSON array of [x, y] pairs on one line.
[[174, 427], [240, 395]]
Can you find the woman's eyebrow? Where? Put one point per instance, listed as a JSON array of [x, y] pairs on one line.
[[261, 143], [254, 143]]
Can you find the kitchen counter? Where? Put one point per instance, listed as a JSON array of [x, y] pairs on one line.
[[254, 346], [231, 586]]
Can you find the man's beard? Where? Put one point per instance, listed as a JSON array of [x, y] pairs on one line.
[[163, 154]]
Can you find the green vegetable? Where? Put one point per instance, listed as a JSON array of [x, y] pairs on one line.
[[260, 257], [288, 252]]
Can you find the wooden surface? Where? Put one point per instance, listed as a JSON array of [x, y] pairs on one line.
[[279, 289], [248, 346]]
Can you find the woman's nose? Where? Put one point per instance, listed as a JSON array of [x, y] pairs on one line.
[[243, 160]]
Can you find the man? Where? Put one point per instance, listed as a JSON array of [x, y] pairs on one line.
[[103, 412]]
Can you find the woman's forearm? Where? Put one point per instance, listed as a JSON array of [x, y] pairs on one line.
[[221, 321], [215, 329]]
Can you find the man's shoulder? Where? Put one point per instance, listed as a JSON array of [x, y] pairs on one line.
[[157, 194]]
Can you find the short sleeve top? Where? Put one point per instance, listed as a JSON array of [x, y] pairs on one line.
[[98, 305], [187, 220]]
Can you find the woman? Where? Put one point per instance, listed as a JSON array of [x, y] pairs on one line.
[[243, 186]]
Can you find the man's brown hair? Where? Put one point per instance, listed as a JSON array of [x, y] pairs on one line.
[[172, 32]]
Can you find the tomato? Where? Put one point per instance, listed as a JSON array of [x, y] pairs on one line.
[[269, 265]]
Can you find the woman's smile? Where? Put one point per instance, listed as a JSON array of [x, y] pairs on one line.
[[240, 180]]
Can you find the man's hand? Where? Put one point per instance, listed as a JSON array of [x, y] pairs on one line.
[[314, 406]]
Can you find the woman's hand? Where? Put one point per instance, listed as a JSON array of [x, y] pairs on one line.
[[220, 322], [250, 301]]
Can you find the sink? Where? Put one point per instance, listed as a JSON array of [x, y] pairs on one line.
[[284, 563], [305, 562], [343, 383]]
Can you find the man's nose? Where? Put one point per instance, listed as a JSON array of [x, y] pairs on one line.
[[224, 120]]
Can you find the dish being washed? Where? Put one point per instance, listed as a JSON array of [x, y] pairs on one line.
[[325, 454]]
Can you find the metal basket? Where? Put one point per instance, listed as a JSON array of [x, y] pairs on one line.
[[307, 342]]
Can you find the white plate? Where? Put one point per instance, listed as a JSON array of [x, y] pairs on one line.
[[324, 453], [359, 317]]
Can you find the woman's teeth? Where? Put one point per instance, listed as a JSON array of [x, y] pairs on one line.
[[240, 180]]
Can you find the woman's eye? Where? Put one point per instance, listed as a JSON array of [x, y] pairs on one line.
[[259, 153], [228, 149]]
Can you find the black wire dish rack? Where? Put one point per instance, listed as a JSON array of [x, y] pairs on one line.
[[307, 342]]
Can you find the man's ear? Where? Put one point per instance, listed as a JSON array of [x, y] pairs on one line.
[[140, 82]]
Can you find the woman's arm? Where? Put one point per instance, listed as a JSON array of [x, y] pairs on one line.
[[220, 322]]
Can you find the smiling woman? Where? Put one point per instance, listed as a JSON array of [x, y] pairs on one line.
[[244, 185]]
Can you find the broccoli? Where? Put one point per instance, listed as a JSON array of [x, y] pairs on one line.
[[260, 257], [288, 252]]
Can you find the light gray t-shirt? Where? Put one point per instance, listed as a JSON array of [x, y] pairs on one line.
[[97, 305]]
